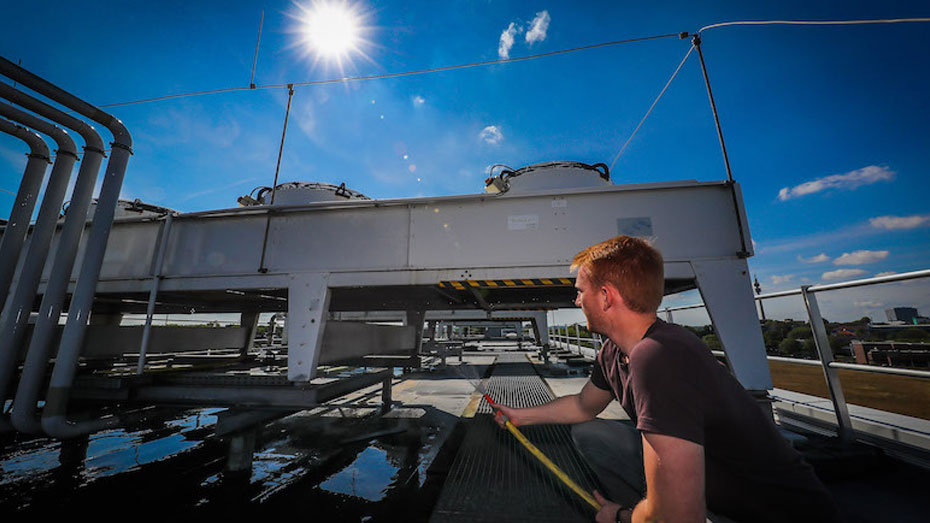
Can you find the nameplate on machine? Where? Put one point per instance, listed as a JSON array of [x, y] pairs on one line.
[[523, 222]]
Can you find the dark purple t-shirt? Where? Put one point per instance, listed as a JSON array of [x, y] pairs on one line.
[[673, 385]]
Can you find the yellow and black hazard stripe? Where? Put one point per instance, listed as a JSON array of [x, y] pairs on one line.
[[503, 284]]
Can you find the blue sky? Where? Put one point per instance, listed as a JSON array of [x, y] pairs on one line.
[[825, 126]]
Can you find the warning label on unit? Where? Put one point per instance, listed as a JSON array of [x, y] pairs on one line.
[[523, 222]]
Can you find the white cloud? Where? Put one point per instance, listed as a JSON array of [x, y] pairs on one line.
[[848, 181], [899, 222], [860, 257], [491, 135], [779, 279], [538, 28], [842, 274], [886, 273], [506, 42], [868, 304], [418, 100], [820, 258]]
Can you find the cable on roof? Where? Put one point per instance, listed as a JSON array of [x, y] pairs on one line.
[[628, 140], [755, 22], [396, 75], [814, 22]]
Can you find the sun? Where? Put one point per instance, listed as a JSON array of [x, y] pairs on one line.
[[331, 31]]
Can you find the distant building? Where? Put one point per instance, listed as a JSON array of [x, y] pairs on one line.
[[903, 314], [891, 353]]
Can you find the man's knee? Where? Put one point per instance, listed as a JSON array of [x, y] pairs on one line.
[[606, 436], [613, 450]]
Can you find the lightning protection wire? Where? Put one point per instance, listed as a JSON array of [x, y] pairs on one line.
[[814, 22], [400, 74], [755, 23], [651, 107]]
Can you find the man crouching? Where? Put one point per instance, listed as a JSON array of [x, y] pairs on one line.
[[697, 443]]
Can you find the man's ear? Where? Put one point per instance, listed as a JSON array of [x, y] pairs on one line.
[[610, 296]]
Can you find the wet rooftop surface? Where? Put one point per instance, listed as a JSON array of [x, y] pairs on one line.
[[346, 462]]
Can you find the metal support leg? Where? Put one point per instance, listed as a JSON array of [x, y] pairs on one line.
[[822, 341], [307, 304], [249, 322], [386, 394], [415, 318], [727, 294], [73, 452], [157, 264], [241, 449]]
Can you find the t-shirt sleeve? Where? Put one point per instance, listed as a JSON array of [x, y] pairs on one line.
[[598, 379], [667, 398]]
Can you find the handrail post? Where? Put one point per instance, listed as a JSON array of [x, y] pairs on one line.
[[822, 342]]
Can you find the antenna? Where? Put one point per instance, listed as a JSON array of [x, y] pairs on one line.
[[258, 41]]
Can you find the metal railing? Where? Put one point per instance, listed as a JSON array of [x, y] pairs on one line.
[[821, 340]]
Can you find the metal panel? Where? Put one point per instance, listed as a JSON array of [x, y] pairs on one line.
[[308, 301], [727, 293], [528, 230], [344, 340], [460, 235]]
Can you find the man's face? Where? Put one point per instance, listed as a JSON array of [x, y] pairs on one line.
[[589, 300]]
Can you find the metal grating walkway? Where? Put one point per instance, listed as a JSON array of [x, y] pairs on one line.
[[494, 478]]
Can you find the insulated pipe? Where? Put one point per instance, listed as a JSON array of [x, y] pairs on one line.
[[16, 313], [15, 232], [33, 375], [13, 235], [54, 418]]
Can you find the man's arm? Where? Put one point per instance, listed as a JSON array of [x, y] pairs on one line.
[[674, 470], [574, 408]]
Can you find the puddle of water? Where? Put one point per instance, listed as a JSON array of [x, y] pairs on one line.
[[33, 459], [301, 462], [368, 477]]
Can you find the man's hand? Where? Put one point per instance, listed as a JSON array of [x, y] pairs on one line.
[[609, 509], [505, 413]]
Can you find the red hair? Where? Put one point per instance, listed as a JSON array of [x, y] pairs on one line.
[[632, 265]]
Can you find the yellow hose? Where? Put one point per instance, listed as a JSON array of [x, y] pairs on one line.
[[551, 466]]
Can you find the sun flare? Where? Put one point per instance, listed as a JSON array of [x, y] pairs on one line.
[[331, 30]]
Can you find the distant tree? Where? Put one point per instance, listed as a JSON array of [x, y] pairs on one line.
[[712, 342], [802, 332], [911, 334], [790, 347], [808, 347], [877, 335], [773, 338], [700, 332], [840, 347]]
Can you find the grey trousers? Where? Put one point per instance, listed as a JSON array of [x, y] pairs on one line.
[[614, 451]]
